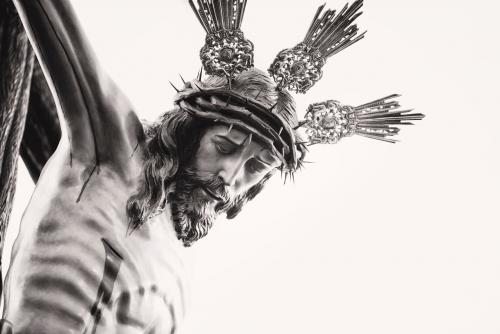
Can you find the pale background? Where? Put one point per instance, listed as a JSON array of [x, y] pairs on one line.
[[372, 237]]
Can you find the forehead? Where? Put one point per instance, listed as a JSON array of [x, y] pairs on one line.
[[238, 136]]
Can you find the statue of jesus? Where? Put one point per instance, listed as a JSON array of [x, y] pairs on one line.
[[99, 246]]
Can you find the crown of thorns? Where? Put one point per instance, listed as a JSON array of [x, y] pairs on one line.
[[227, 53]]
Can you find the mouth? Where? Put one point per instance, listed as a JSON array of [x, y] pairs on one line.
[[212, 194]]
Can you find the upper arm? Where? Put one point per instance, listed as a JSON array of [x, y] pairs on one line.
[[80, 87]]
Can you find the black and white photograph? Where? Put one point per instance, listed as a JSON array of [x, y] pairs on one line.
[[249, 166]]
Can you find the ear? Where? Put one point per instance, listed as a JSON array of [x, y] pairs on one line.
[[235, 209]]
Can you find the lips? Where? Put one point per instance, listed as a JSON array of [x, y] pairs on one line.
[[212, 194]]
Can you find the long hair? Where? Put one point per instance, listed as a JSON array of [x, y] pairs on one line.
[[172, 142]]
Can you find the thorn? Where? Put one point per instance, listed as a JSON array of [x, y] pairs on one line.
[[183, 81], [301, 123], [228, 99], [174, 87], [199, 88], [230, 128], [279, 132], [248, 140]]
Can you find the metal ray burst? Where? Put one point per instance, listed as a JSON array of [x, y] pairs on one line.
[[299, 68], [226, 51], [330, 121]]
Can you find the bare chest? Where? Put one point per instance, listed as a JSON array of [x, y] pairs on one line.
[[115, 281], [139, 291]]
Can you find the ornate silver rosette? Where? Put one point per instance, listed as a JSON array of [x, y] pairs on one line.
[[328, 122], [297, 69], [226, 53]]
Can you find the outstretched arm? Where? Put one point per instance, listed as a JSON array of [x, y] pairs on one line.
[[89, 101]]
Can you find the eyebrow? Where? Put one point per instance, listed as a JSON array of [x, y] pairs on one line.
[[231, 141]]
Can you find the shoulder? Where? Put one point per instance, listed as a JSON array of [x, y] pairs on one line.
[[120, 129]]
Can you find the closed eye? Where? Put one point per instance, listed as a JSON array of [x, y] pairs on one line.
[[254, 166], [225, 147]]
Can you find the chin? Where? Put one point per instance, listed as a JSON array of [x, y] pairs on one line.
[[193, 216]]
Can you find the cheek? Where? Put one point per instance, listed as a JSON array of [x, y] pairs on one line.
[[242, 188], [206, 157], [249, 182]]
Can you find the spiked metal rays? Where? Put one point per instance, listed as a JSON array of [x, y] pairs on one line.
[[330, 121], [226, 51], [299, 68], [375, 119], [216, 15], [333, 33]]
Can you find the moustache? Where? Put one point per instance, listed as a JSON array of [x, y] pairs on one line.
[[211, 183]]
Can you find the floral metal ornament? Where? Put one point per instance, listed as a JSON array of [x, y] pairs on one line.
[[226, 51], [328, 122], [299, 68]]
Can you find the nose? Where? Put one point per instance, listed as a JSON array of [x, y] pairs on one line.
[[231, 170]]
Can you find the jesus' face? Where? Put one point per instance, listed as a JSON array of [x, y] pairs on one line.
[[226, 165]]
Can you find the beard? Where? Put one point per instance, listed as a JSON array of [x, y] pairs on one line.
[[169, 179], [193, 206]]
